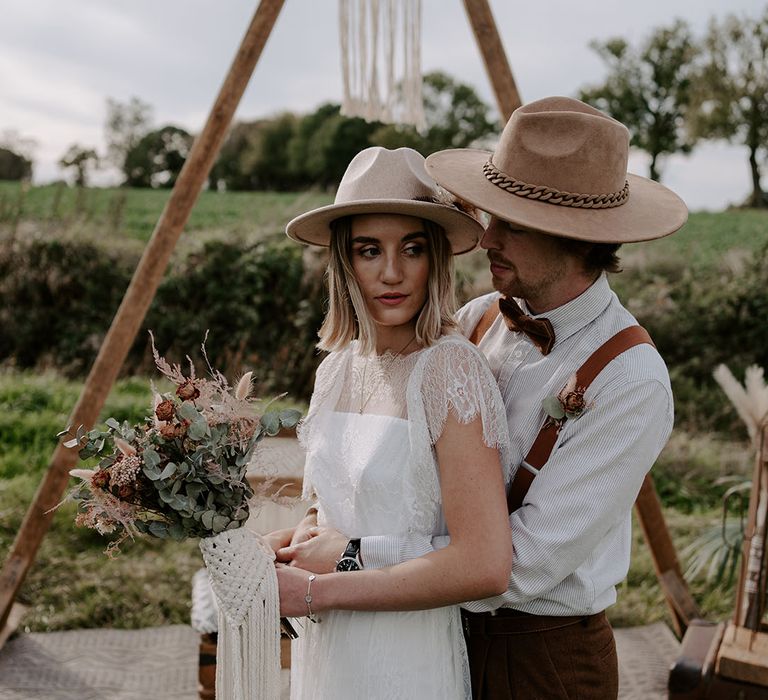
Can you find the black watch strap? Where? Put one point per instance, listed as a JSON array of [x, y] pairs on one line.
[[350, 559]]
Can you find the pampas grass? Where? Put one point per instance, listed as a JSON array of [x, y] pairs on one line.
[[750, 400]]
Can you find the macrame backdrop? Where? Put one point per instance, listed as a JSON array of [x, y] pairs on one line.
[[369, 32]]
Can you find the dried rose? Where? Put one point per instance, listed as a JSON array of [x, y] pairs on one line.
[[126, 491], [166, 410], [573, 402], [187, 391], [100, 479], [171, 432]]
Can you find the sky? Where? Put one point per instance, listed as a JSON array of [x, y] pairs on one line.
[[60, 61]]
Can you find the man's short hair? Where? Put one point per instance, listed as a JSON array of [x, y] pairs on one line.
[[596, 257]]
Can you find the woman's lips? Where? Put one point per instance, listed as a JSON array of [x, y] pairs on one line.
[[392, 299]]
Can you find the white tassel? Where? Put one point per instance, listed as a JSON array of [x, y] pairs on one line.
[[244, 580], [361, 23]]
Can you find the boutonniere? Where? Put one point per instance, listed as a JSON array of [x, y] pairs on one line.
[[568, 403]]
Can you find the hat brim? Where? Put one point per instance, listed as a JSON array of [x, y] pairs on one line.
[[314, 227], [651, 211]]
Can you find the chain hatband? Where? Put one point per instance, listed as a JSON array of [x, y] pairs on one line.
[[552, 196]]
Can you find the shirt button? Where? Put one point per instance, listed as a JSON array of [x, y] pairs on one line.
[[518, 354]]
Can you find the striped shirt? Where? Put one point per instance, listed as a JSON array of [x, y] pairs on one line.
[[572, 535]]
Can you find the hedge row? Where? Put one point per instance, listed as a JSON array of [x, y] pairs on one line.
[[262, 310]]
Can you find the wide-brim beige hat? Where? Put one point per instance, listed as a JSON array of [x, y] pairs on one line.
[[383, 181], [560, 167]]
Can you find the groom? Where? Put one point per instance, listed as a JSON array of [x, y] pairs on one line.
[[560, 203]]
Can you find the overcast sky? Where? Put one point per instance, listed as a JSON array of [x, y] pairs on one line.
[[60, 60]]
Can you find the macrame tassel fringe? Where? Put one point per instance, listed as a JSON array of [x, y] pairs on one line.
[[368, 94], [240, 566], [248, 656]]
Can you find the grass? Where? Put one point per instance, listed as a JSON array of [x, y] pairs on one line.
[[133, 213]]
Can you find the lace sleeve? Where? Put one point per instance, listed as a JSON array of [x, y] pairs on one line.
[[324, 375], [324, 393], [457, 379]]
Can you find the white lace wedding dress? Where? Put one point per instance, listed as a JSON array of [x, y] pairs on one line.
[[373, 472]]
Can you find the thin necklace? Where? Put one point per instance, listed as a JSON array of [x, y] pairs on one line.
[[364, 403]]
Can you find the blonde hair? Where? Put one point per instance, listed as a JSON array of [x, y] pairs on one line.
[[348, 319]]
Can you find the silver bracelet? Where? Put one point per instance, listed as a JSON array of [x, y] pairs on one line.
[[308, 599]]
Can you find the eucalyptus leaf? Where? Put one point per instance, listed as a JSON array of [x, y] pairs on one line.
[[271, 423], [64, 432], [170, 470], [188, 411], [289, 417], [220, 523], [112, 423], [165, 495], [553, 408], [158, 528], [150, 457], [176, 531], [207, 519], [152, 473], [74, 442], [197, 430]]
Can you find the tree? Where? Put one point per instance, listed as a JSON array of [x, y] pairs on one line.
[[267, 163], [649, 90], [81, 159], [156, 160], [333, 144], [732, 90], [125, 126], [14, 166], [227, 172], [456, 118]]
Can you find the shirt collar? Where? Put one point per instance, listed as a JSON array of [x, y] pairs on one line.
[[579, 312]]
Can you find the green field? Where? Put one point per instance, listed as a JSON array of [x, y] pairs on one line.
[[133, 213], [74, 585]]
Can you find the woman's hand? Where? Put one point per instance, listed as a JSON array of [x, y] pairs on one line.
[[319, 552], [293, 583], [277, 539]]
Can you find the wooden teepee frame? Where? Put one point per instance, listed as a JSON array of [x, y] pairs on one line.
[[151, 269]]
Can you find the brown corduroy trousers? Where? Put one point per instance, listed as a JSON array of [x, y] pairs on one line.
[[532, 657]]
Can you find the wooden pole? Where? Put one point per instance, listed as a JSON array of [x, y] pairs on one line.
[[494, 57], [137, 299], [668, 571]]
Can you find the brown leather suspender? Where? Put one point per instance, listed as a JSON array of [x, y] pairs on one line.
[[545, 441]]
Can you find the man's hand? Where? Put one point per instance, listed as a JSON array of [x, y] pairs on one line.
[[303, 531], [317, 554]]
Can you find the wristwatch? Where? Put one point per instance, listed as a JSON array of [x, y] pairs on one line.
[[350, 559]]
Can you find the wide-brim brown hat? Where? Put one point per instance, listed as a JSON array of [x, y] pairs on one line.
[[560, 167], [383, 181]]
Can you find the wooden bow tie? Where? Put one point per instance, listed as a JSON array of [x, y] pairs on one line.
[[539, 330]]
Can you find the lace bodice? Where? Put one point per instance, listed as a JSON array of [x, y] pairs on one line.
[[375, 471]]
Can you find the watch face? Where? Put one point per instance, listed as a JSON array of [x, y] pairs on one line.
[[347, 564]]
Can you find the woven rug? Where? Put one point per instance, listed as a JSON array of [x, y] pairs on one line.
[[161, 663]]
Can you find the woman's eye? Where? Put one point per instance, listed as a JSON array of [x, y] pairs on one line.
[[368, 252], [414, 250]]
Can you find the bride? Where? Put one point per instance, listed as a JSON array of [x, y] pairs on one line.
[[406, 433]]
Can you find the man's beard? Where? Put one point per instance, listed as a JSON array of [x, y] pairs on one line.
[[529, 290]]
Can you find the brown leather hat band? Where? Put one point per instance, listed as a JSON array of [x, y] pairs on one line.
[[552, 196]]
